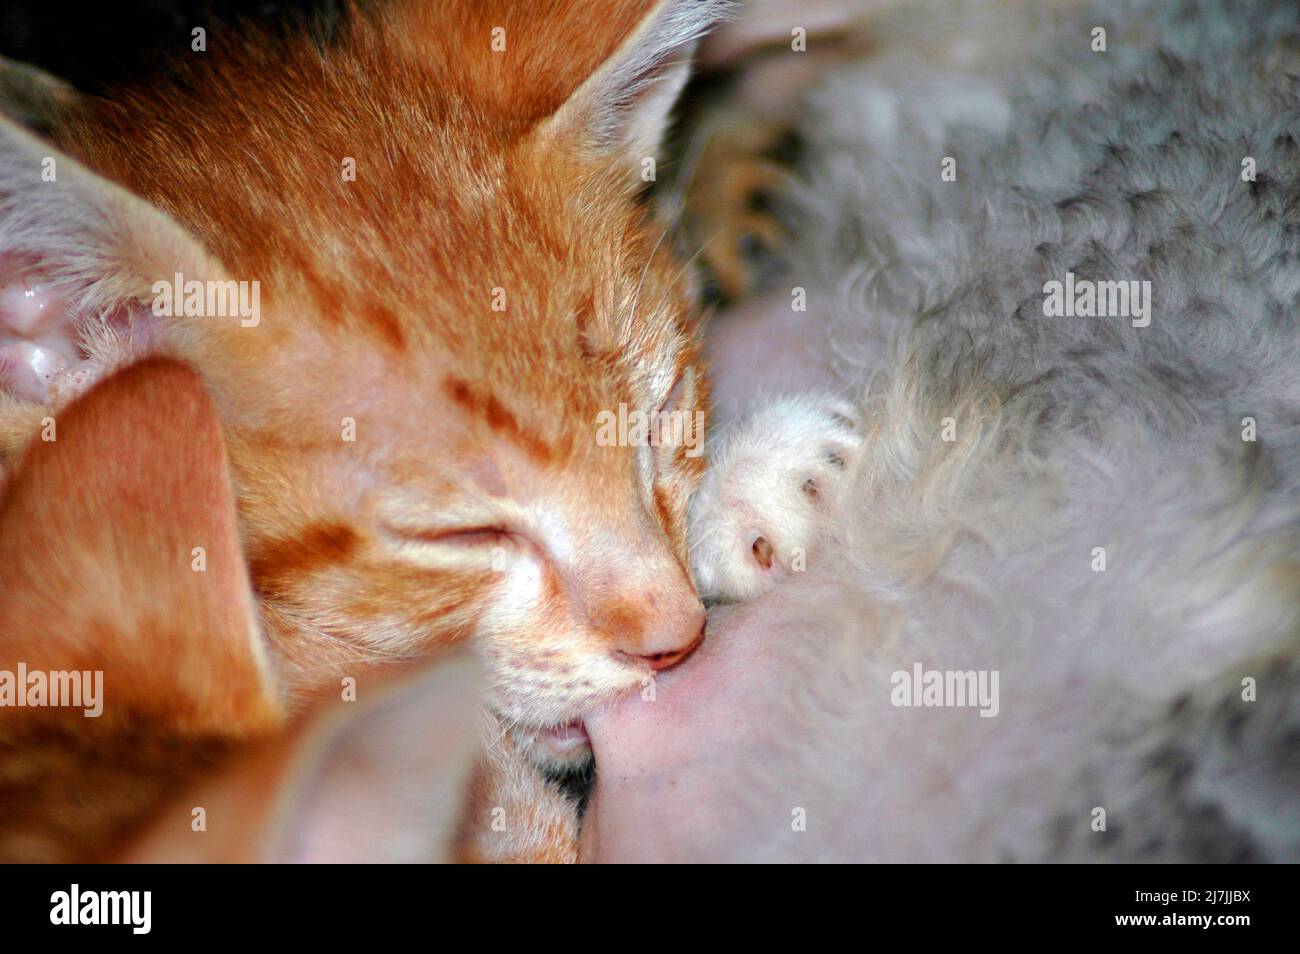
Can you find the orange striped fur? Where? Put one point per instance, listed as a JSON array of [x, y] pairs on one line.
[[412, 468]]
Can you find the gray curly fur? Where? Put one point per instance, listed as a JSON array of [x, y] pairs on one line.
[[1080, 432]]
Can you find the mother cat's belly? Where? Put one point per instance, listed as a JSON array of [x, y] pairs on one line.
[[656, 758], [740, 743], [763, 346]]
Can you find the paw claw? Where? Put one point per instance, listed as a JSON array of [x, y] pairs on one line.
[[776, 475]]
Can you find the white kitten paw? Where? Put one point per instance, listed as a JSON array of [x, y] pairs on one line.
[[775, 476]]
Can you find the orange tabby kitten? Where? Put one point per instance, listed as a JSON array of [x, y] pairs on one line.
[[434, 279]]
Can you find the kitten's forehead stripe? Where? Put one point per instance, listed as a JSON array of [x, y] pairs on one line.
[[326, 295], [583, 318], [332, 300], [382, 320], [498, 417]]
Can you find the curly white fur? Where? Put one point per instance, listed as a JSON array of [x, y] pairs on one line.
[[1106, 514]]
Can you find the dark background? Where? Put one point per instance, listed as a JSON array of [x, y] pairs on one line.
[[94, 45]]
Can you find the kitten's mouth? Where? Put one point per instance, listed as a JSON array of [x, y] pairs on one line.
[[561, 748], [562, 739]]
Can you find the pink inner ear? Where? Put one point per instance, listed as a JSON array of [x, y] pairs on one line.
[[43, 359], [37, 341]]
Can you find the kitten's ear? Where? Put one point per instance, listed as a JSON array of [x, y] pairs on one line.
[[379, 779], [35, 98], [623, 108], [94, 252], [119, 553]]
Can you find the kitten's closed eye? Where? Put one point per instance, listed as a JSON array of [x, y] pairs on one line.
[[456, 536], [407, 518], [442, 544]]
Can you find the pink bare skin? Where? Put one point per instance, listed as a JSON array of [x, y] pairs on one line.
[[36, 346], [42, 361], [663, 793], [762, 346], [668, 767]]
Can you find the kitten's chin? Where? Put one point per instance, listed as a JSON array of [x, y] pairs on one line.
[[554, 736], [562, 748]]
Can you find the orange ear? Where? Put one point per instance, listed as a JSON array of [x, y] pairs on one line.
[[119, 552], [620, 110], [600, 74]]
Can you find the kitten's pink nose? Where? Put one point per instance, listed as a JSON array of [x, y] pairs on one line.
[[670, 642]]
